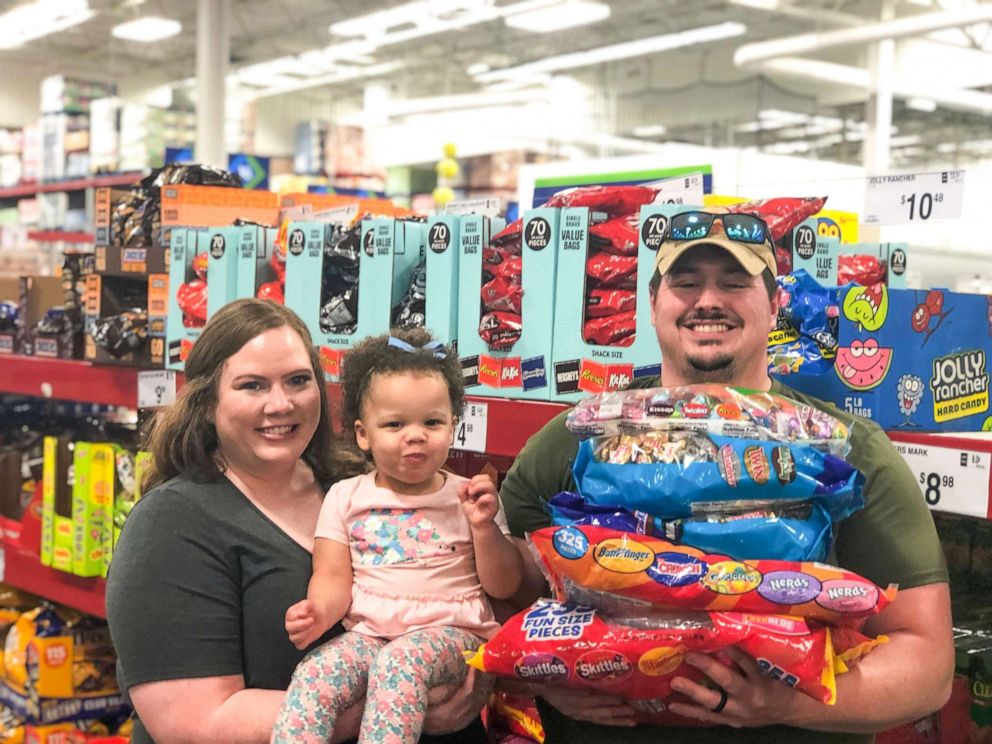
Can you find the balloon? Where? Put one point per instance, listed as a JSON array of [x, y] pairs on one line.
[[447, 168], [449, 149], [442, 195]]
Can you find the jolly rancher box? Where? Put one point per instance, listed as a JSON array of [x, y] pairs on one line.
[[910, 359], [522, 370]]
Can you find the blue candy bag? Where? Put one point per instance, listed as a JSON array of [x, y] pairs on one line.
[[744, 530], [664, 473]]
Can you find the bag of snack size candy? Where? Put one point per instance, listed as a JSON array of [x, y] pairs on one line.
[[643, 569], [638, 656], [780, 530], [805, 335], [666, 472], [710, 408]]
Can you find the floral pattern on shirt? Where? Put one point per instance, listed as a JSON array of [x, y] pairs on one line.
[[390, 536]]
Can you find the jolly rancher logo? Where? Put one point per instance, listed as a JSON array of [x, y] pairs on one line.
[[960, 385]]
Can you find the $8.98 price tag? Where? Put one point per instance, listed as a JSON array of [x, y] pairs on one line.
[[950, 479], [914, 197], [472, 429]]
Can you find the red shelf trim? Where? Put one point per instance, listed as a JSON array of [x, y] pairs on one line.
[[511, 422], [23, 569], [67, 379], [77, 184], [53, 235]]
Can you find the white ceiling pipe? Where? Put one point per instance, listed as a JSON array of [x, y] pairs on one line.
[[753, 54], [971, 101]]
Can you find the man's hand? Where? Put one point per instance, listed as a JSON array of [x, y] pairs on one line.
[[304, 624], [753, 698], [594, 707], [479, 500]]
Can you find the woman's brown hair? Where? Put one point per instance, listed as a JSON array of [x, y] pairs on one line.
[[182, 438]]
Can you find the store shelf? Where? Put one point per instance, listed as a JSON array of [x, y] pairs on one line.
[[66, 379], [511, 422], [23, 570], [78, 184], [45, 236]]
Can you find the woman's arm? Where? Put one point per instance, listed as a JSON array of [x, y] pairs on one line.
[[497, 561], [211, 709], [328, 595]]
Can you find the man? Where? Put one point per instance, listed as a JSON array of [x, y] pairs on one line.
[[714, 300]]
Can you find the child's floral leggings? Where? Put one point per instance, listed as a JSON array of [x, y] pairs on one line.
[[393, 676]]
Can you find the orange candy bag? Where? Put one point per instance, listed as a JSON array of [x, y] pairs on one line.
[[583, 562]]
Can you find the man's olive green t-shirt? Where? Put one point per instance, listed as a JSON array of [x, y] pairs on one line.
[[891, 540]]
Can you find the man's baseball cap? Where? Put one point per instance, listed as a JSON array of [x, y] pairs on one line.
[[744, 236]]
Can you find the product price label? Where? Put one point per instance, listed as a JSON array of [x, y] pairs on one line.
[[156, 388], [488, 207], [336, 215], [472, 428], [951, 480], [911, 198], [680, 190]]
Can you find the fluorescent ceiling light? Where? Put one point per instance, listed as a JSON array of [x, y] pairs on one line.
[[559, 16], [921, 104], [625, 50], [342, 75], [41, 18], [478, 68], [147, 29], [650, 130]]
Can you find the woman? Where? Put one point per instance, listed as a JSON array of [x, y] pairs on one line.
[[220, 546]]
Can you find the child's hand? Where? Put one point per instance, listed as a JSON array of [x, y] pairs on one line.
[[302, 624], [479, 500]]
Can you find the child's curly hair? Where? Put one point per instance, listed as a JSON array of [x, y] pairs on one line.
[[375, 355]]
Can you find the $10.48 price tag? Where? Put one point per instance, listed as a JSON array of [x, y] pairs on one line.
[[471, 431], [912, 198], [951, 480]]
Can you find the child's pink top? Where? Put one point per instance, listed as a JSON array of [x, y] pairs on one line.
[[412, 558]]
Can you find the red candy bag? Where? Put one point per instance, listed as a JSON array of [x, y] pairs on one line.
[[612, 271], [495, 255], [598, 564], [500, 330], [860, 269], [781, 214], [511, 269], [611, 330], [503, 295], [615, 236], [578, 646], [614, 200], [509, 234], [605, 302]]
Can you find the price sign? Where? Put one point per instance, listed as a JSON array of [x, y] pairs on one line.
[[336, 215], [913, 198], [680, 190], [951, 480], [156, 388], [488, 207], [472, 428]]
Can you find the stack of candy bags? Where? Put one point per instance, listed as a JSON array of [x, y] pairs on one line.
[[702, 519]]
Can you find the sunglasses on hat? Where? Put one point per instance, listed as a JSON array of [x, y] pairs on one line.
[[743, 228]]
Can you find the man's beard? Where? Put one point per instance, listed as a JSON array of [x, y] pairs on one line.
[[721, 368]]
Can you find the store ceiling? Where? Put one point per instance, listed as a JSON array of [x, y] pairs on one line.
[[697, 93]]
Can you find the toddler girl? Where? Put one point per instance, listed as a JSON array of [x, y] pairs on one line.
[[403, 556]]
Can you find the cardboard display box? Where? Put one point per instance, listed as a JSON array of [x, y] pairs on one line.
[[910, 359], [35, 295], [581, 367], [524, 369], [389, 250]]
